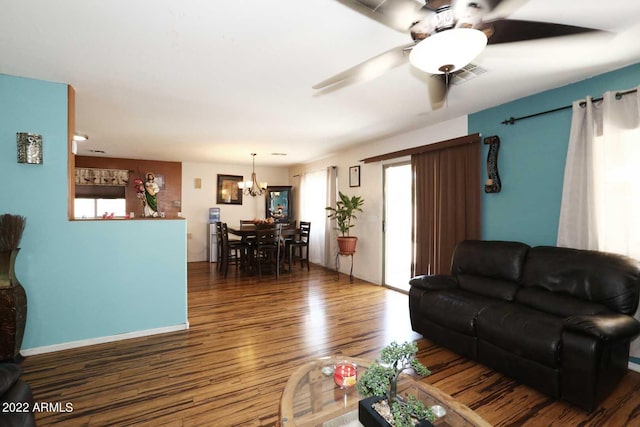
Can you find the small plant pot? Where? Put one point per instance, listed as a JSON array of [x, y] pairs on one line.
[[369, 417], [347, 244]]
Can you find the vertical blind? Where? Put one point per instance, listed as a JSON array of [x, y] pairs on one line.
[[446, 203]]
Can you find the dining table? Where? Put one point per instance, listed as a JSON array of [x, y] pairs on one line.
[[248, 232]]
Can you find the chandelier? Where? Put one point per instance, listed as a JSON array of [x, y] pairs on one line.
[[253, 188]]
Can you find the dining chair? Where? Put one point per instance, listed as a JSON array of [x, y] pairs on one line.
[[267, 246], [231, 251], [219, 232], [301, 243]]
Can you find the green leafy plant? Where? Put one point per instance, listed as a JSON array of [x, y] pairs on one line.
[[344, 212], [381, 379]]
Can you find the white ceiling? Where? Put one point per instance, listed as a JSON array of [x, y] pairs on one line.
[[215, 80]]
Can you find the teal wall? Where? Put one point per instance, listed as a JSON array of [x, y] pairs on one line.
[[84, 279], [532, 158]]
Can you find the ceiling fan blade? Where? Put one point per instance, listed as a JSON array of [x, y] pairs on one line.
[[438, 89], [509, 30], [397, 14], [371, 68], [498, 9]]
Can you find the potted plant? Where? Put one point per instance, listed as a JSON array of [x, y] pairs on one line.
[[13, 299], [379, 385], [344, 214]]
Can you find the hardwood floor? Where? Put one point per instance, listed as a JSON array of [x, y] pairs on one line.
[[248, 335]]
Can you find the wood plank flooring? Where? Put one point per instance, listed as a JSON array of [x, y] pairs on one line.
[[248, 335]]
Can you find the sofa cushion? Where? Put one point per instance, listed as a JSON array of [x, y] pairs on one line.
[[456, 309], [558, 304], [489, 287], [603, 278], [526, 332], [498, 260]]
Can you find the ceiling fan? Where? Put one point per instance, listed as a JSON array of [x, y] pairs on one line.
[[447, 35]]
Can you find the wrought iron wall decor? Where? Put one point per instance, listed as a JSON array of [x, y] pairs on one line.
[[493, 184], [29, 148]]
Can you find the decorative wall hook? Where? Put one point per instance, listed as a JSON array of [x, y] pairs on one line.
[[493, 184]]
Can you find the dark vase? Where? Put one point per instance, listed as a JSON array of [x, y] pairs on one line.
[[13, 308]]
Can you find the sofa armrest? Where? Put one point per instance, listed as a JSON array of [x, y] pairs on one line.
[[9, 374], [435, 282], [606, 326]]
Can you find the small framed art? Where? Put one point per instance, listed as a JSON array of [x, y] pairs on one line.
[[354, 176], [227, 190]]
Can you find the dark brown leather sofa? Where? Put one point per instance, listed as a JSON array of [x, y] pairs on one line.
[[559, 320], [16, 399]]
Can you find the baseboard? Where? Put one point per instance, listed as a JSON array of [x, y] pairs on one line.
[[633, 365], [102, 340]]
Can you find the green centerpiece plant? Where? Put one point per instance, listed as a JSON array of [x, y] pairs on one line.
[[381, 379]]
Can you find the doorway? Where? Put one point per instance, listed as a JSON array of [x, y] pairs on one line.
[[397, 225]]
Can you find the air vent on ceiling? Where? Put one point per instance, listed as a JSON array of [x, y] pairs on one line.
[[466, 73]]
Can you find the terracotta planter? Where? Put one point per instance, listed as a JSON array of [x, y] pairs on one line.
[[347, 245], [13, 308]]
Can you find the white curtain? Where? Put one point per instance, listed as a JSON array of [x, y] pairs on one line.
[[313, 191], [600, 200], [600, 207], [331, 244]]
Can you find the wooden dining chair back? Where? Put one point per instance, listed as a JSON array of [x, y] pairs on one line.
[[219, 245], [232, 251], [301, 244], [268, 248]]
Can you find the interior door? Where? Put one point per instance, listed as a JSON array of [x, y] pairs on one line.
[[397, 225]]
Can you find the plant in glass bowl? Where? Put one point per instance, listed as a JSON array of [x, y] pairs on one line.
[[381, 379]]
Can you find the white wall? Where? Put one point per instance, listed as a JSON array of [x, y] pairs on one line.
[[196, 202], [368, 258]]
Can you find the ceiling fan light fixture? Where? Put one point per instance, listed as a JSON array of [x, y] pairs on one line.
[[448, 50]]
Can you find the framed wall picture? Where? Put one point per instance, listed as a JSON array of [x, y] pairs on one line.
[[354, 176], [227, 191], [279, 203]]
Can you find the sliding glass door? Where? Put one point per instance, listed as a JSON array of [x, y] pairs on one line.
[[397, 225]]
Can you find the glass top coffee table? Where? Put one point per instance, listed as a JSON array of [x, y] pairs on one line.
[[312, 398]]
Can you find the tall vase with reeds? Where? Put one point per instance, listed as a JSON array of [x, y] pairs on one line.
[[13, 299]]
